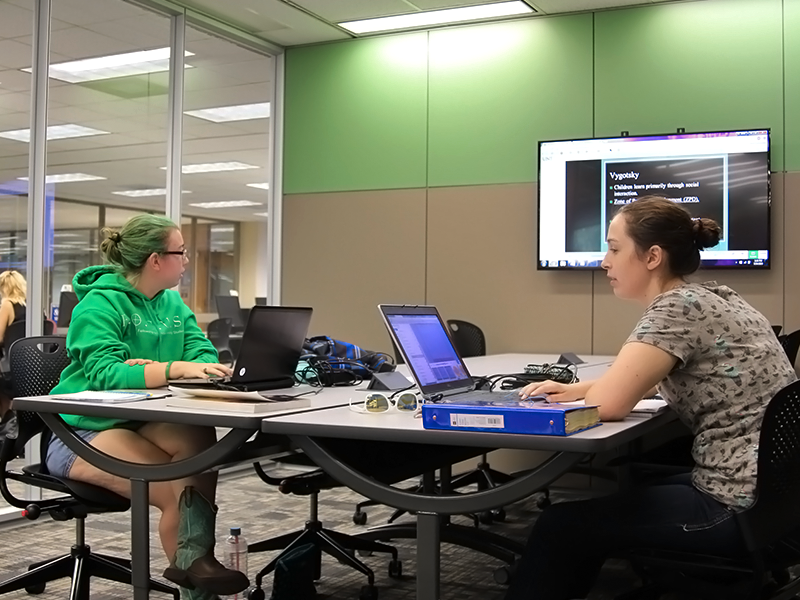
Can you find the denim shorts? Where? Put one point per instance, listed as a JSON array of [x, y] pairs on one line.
[[59, 458]]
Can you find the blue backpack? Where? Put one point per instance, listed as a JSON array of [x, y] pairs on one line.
[[339, 355]]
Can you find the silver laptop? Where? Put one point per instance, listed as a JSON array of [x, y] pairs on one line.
[[437, 368]]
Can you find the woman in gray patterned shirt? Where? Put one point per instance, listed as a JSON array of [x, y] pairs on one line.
[[716, 362]]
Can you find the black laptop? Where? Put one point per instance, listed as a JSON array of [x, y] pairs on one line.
[[271, 347]]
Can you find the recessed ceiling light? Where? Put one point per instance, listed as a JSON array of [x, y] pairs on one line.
[[54, 132], [67, 177], [439, 17], [227, 204], [115, 65], [145, 192], [261, 186], [240, 112], [214, 167], [261, 214]]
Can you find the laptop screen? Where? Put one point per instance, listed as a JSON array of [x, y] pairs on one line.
[[428, 350]]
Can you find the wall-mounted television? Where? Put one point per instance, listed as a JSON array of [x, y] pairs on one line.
[[723, 175]]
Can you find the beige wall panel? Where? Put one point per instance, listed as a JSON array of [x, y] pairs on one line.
[[791, 254], [345, 253], [482, 268], [614, 319]]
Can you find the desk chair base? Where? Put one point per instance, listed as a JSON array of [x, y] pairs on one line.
[[80, 565], [340, 546], [482, 541]]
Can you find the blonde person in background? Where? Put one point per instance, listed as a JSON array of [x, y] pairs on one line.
[[130, 330], [13, 290]]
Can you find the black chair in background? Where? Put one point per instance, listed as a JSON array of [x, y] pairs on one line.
[[16, 331], [777, 329], [228, 308], [340, 546], [261, 300], [770, 528], [791, 345], [470, 341], [467, 337], [219, 334], [36, 364], [66, 304]]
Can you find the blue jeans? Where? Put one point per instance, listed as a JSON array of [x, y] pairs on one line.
[[571, 540]]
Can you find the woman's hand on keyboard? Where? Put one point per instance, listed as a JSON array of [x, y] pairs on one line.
[[556, 392], [192, 370]]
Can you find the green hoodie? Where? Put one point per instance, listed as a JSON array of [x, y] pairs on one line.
[[114, 322]]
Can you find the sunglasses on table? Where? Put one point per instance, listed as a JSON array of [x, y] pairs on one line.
[[376, 402]]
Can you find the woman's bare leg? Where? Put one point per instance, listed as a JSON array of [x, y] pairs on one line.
[[129, 445], [180, 442]]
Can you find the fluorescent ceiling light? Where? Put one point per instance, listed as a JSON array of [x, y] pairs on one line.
[[54, 132], [115, 65], [146, 192], [439, 17], [67, 178], [261, 214], [241, 112], [214, 167], [261, 186], [227, 204]]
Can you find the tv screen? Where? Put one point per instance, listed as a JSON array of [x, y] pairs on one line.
[[720, 175]]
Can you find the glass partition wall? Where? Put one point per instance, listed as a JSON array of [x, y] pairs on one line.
[[115, 123]]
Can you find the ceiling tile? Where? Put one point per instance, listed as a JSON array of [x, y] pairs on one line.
[[85, 12], [563, 6], [15, 21], [14, 55]]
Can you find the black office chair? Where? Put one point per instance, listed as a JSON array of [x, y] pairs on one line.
[[36, 365], [14, 332], [770, 528], [340, 546], [791, 345], [261, 301], [467, 337], [228, 308], [777, 329], [470, 341], [219, 334]]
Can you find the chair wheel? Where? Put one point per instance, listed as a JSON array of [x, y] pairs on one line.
[[499, 514], [36, 589], [486, 517], [360, 518], [502, 575], [395, 569], [543, 502], [256, 594], [368, 592]]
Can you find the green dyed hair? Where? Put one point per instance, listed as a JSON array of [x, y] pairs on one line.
[[129, 248]]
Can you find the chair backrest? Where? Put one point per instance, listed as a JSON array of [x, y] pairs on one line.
[[16, 331], [219, 333], [66, 304], [777, 329], [36, 364], [467, 337], [228, 308], [261, 300], [791, 345], [775, 511]]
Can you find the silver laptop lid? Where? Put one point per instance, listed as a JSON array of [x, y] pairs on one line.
[[421, 336]]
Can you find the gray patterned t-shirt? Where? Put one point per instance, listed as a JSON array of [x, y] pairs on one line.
[[730, 365]]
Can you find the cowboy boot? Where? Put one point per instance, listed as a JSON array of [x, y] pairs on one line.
[[194, 565]]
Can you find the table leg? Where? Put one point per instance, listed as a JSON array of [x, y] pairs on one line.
[[140, 539], [427, 556]]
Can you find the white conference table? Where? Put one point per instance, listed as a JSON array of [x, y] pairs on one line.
[[330, 410]]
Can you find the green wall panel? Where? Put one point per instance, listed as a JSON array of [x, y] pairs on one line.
[[792, 83], [496, 90], [356, 115], [700, 65]]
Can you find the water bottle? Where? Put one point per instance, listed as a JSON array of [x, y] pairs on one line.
[[235, 557]]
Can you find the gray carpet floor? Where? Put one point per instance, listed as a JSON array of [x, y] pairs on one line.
[[263, 512]]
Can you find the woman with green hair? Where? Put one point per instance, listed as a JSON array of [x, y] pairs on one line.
[[130, 330]]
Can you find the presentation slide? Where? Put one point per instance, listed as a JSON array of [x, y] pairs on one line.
[[584, 183]]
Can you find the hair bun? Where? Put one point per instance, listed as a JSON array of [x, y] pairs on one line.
[[707, 232], [115, 237]]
